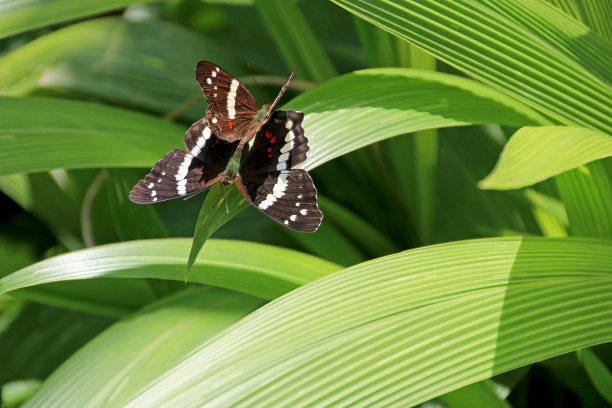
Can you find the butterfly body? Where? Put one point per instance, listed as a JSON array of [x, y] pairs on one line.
[[238, 143]]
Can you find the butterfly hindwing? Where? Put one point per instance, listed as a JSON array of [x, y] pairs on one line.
[[287, 196], [231, 105], [268, 181]]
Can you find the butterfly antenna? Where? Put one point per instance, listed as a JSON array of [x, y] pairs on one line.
[[251, 71], [226, 207]]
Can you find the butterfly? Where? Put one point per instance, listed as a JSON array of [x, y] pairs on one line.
[[238, 143]]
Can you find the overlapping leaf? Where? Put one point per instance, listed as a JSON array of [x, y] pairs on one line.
[[397, 330]]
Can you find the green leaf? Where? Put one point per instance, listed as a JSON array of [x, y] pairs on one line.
[[536, 153], [386, 102], [401, 329], [58, 332], [15, 393], [173, 328], [295, 40], [39, 134], [265, 271], [599, 374], [480, 394], [20, 16], [527, 49], [382, 103], [137, 65], [586, 193], [131, 221], [218, 208]]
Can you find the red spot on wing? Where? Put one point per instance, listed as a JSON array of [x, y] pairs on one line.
[[270, 155], [230, 125], [268, 134], [269, 150], [273, 140]]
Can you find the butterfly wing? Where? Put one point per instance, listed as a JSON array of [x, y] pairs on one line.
[[231, 105], [180, 173], [268, 181]]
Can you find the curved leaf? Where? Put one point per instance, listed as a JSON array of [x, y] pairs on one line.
[[124, 63], [397, 330], [367, 106], [380, 103], [172, 327], [39, 134], [536, 153], [525, 48], [23, 15], [265, 271]]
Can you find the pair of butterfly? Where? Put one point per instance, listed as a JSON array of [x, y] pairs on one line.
[[236, 142]]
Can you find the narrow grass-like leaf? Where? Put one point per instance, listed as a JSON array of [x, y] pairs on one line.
[[386, 102], [131, 221], [527, 49], [586, 193], [39, 134], [263, 270], [600, 375], [20, 16], [220, 206], [358, 229], [536, 153], [295, 39], [397, 330], [172, 328]]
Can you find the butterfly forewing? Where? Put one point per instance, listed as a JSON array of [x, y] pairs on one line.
[[181, 173], [231, 105], [177, 174], [279, 145]]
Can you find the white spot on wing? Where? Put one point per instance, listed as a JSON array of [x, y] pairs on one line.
[[214, 74], [153, 193], [214, 120], [303, 212], [281, 166], [208, 81], [184, 168], [155, 199], [231, 99], [150, 185], [297, 204], [283, 157], [286, 147], [270, 199], [217, 68], [205, 135], [281, 185], [293, 217], [286, 222]]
